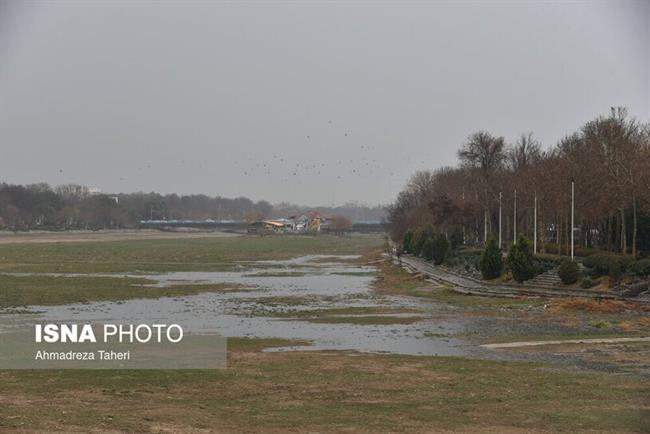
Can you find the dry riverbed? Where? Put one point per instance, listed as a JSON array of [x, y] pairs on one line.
[[324, 336]]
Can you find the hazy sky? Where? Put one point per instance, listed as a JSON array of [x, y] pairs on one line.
[[313, 103]]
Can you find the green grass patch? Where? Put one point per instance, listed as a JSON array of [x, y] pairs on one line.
[[257, 344], [354, 273], [365, 320], [282, 300], [54, 290], [377, 315], [276, 274], [352, 310], [191, 254], [600, 324]]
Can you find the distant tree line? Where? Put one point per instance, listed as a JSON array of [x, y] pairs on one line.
[[72, 206], [608, 158]]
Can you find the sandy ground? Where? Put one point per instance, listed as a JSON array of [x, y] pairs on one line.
[[107, 235]]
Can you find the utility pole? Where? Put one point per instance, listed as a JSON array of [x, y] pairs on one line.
[[535, 226], [500, 197], [573, 194], [485, 226], [514, 223], [463, 218]]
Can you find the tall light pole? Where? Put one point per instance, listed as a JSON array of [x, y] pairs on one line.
[[535, 226], [485, 226], [514, 223], [462, 219], [573, 195], [500, 197]]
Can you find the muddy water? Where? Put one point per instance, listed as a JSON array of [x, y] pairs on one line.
[[271, 287]]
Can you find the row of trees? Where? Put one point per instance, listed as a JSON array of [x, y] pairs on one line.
[[427, 243], [73, 206], [77, 207], [435, 247], [607, 158]]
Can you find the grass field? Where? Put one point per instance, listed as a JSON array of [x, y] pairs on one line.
[[326, 392], [296, 392], [143, 256], [159, 255], [50, 290]]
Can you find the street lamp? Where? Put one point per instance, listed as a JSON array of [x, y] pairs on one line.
[[535, 226], [573, 194], [514, 223], [500, 197]]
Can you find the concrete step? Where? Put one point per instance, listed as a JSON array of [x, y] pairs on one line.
[[549, 278]]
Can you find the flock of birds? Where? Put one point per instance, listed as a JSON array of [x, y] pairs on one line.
[[321, 161], [328, 157]]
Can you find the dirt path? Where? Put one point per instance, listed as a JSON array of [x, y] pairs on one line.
[[565, 341], [108, 235]]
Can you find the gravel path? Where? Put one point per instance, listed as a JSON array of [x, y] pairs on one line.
[[566, 341]]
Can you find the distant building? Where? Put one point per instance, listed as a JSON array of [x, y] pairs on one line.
[[309, 222], [278, 225]]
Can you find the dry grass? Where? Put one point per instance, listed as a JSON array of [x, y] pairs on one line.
[[636, 325], [324, 392], [597, 306], [393, 279]]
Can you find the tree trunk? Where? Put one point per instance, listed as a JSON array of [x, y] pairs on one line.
[[558, 230], [568, 233], [609, 233], [485, 226], [542, 233], [623, 234]]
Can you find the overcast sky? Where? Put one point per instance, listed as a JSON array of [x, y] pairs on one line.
[[312, 103]]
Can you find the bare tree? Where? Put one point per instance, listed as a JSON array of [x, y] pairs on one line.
[[608, 158], [485, 154]]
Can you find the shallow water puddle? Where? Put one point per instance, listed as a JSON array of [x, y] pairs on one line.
[[307, 284]]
